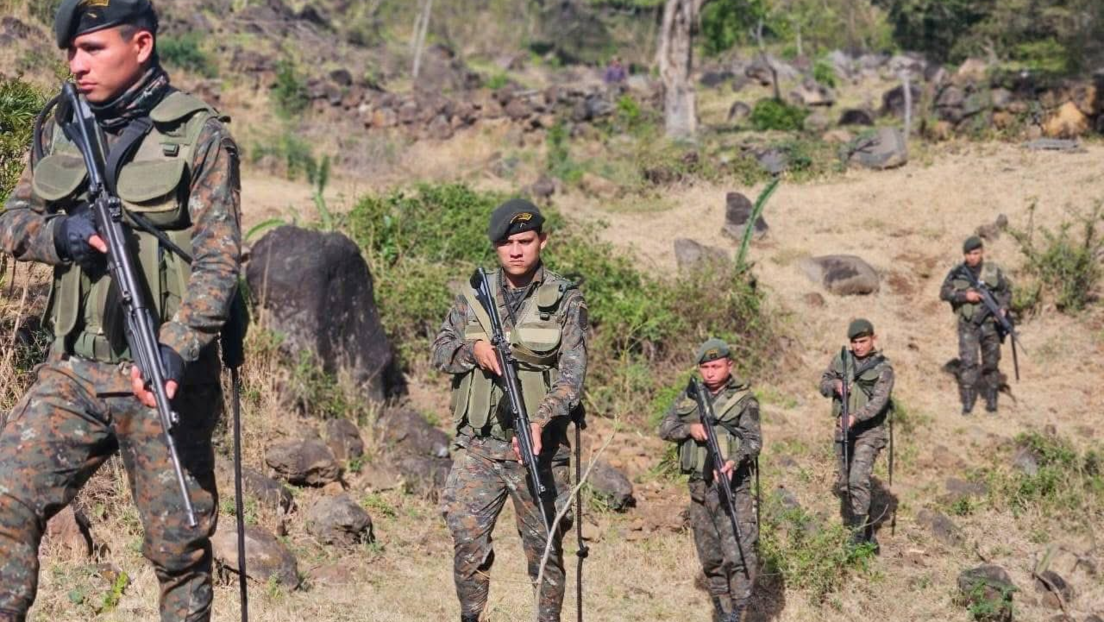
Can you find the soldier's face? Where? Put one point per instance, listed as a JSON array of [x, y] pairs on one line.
[[862, 346], [520, 253], [974, 257], [715, 373], [104, 63]]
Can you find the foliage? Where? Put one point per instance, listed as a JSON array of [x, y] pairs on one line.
[[773, 114], [811, 556], [1068, 483], [290, 92], [558, 161], [294, 153], [184, 51], [19, 105], [824, 73], [1065, 264]]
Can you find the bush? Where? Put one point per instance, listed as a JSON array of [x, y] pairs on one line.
[[184, 52], [772, 114], [294, 153], [19, 105], [1068, 484], [1065, 266], [824, 73], [558, 161], [290, 93]]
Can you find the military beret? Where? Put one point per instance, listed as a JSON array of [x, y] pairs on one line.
[[78, 17], [513, 217], [972, 243], [712, 350], [860, 328]]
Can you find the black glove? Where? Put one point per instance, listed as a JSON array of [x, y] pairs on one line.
[[71, 235], [173, 365]]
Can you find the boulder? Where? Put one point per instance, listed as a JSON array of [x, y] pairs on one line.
[[339, 521], [987, 590], [961, 489], [841, 137], [543, 188], [598, 186], [812, 93], [842, 64], [316, 291], [691, 255], [68, 531], [1001, 99], [440, 128], [993, 230], [441, 72], [842, 275], [1057, 592], [713, 78], [761, 68], [267, 492], [343, 439], [304, 462], [1026, 460], [738, 210], [881, 149], [266, 558], [972, 70], [941, 527], [611, 486], [1067, 122], [738, 111], [773, 160], [817, 122], [418, 451], [384, 118], [856, 116]]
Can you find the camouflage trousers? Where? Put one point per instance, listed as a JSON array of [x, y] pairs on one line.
[[863, 450], [971, 339], [475, 494], [73, 419], [716, 543]]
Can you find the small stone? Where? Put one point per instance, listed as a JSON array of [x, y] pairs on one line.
[[266, 558], [610, 485], [339, 521], [304, 462]]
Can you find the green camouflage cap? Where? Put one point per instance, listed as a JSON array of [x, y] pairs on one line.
[[972, 243], [860, 328], [513, 217], [78, 17], [712, 350]]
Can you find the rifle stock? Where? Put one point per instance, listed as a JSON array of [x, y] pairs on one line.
[[140, 326]]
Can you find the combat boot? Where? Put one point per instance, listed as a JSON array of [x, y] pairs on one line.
[[969, 398], [858, 531], [718, 611], [991, 399], [469, 617], [734, 615], [872, 539]]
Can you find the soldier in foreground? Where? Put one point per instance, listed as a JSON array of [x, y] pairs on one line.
[[89, 400], [865, 376], [545, 321], [978, 329], [730, 564]]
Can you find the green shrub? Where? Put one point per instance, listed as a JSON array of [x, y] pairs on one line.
[[558, 161], [498, 80], [1068, 483], [772, 114], [296, 154], [824, 73], [19, 105], [1066, 265], [290, 93], [184, 51]]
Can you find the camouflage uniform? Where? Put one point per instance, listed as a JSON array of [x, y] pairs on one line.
[[81, 409], [718, 553], [977, 330], [870, 381], [485, 470]]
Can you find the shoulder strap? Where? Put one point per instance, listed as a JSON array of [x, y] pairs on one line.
[[124, 149], [873, 362], [477, 308]]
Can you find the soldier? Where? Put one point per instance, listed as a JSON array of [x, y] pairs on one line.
[[545, 318], [977, 328], [730, 568], [89, 401], [869, 379]]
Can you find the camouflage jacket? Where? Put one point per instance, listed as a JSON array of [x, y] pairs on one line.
[[871, 391], [27, 233], [954, 290], [683, 412], [452, 354]]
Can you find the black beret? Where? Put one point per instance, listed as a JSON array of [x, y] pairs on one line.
[[860, 328], [78, 17], [972, 243], [513, 217]]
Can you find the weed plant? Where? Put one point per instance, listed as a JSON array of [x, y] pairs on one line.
[[1065, 264], [20, 103], [185, 52]]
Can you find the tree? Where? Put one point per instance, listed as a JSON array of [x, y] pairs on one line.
[[675, 58]]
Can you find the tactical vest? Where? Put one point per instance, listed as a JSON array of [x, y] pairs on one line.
[[694, 454], [86, 319], [990, 276], [861, 387], [535, 342]]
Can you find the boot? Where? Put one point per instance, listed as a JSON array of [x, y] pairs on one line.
[[734, 615], [872, 539], [991, 399], [469, 617], [969, 398], [858, 531], [718, 611]]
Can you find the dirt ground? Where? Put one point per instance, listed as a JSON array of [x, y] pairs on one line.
[[909, 224]]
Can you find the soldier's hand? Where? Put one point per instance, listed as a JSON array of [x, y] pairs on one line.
[[697, 432], [838, 386], [973, 296], [172, 365], [726, 470], [486, 357], [535, 435]]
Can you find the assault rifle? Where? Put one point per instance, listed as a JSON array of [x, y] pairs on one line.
[[1005, 328], [845, 429], [512, 388], [81, 128], [724, 483]]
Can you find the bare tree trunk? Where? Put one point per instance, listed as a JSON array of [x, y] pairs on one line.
[[675, 58], [421, 28]]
